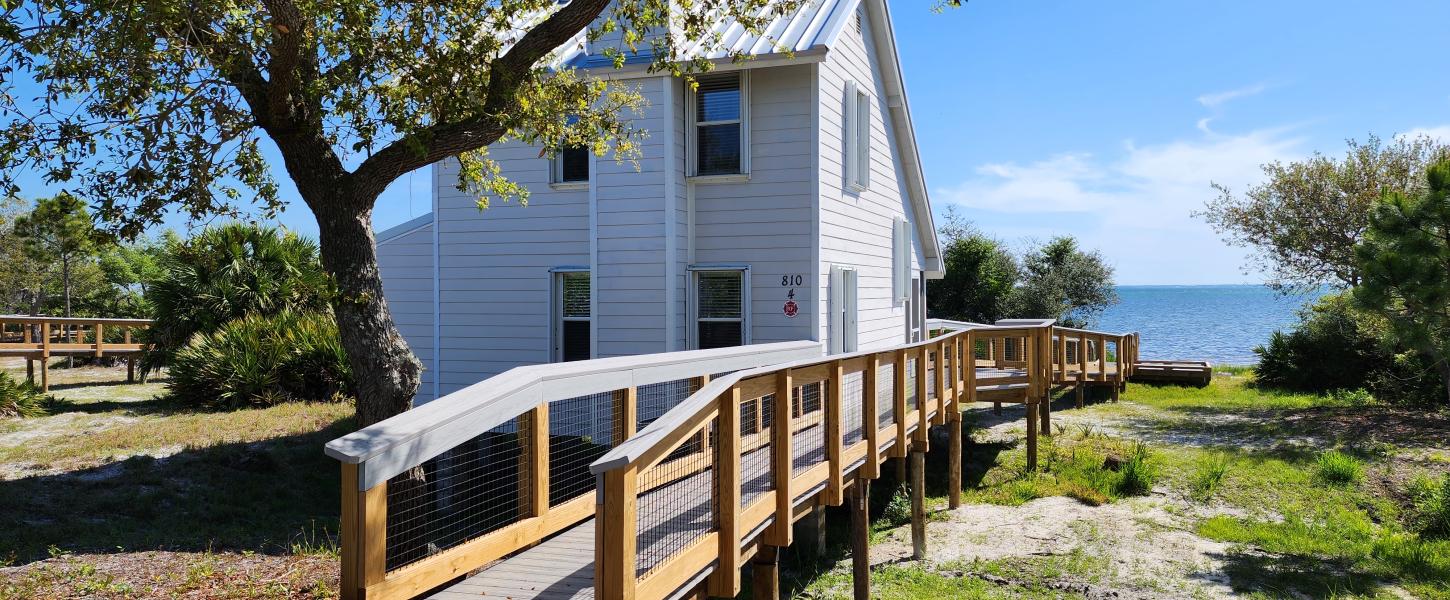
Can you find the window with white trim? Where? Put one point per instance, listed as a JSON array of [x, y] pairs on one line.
[[719, 137], [572, 316], [720, 308], [901, 260], [858, 137], [571, 165]]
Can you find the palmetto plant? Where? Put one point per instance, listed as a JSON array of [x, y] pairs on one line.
[[228, 272]]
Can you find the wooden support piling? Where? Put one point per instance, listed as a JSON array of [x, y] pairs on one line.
[[918, 503], [1031, 434], [954, 462], [860, 538], [765, 573]]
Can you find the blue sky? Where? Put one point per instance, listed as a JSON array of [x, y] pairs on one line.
[[1108, 120]]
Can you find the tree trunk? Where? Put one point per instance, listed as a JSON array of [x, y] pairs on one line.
[[383, 366]]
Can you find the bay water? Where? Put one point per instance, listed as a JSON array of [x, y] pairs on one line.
[[1218, 323]]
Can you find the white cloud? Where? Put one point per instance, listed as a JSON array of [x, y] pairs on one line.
[[1135, 205], [1218, 99], [1441, 133]]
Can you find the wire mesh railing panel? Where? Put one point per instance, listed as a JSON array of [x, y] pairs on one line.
[[885, 395], [851, 419], [931, 367], [809, 441], [755, 458], [580, 431], [911, 373], [675, 515], [655, 399], [457, 496]]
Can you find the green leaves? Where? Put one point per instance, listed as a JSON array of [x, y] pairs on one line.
[[1405, 260]]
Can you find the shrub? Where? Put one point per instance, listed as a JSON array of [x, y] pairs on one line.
[[1431, 501], [898, 510], [264, 360], [20, 398], [1207, 476], [1337, 468], [226, 273], [1138, 472], [1340, 347]]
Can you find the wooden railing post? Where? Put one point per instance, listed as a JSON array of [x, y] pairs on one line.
[[779, 533], [364, 534], [1044, 373], [725, 582], [1102, 341], [615, 535], [534, 462], [100, 339], [626, 413], [835, 432], [940, 383], [899, 389], [922, 435], [871, 420]]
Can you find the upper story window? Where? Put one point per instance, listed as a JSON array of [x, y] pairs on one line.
[[572, 165], [858, 137], [719, 110]]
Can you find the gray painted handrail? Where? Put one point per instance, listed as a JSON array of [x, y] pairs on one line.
[[397, 444]]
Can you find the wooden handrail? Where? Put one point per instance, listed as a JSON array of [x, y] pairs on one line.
[[718, 404], [523, 396]]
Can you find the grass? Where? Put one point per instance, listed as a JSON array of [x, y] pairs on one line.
[[1337, 468], [119, 470], [1208, 474]]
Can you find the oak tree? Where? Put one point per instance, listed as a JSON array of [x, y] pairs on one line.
[[1304, 220], [143, 107]]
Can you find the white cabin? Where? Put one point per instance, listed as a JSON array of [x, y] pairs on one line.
[[784, 200]]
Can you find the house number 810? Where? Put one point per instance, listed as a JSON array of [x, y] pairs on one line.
[[790, 280]]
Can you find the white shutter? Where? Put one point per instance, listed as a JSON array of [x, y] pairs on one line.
[[900, 260], [863, 139], [838, 310], [853, 134], [849, 341]]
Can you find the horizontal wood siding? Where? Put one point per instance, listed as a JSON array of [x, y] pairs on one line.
[[766, 222], [856, 226], [632, 208], [494, 267], [406, 263]]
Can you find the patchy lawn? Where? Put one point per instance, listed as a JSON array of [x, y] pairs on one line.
[[121, 493], [1240, 505]]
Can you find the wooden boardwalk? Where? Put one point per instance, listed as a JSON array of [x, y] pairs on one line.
[[712, 456], [562, 567]]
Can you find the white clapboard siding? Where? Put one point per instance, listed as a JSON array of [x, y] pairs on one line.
[[767, 222], [405, 259], [856, 227], [494, 268]]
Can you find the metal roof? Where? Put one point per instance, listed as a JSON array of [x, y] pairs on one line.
[[813, 24]]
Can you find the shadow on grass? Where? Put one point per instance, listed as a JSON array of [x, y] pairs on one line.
[[1292, 576], [256, 496]]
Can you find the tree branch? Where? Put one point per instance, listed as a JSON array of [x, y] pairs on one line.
[[506, 74]]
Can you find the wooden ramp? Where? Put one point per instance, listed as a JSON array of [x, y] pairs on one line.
[[653, 477]]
